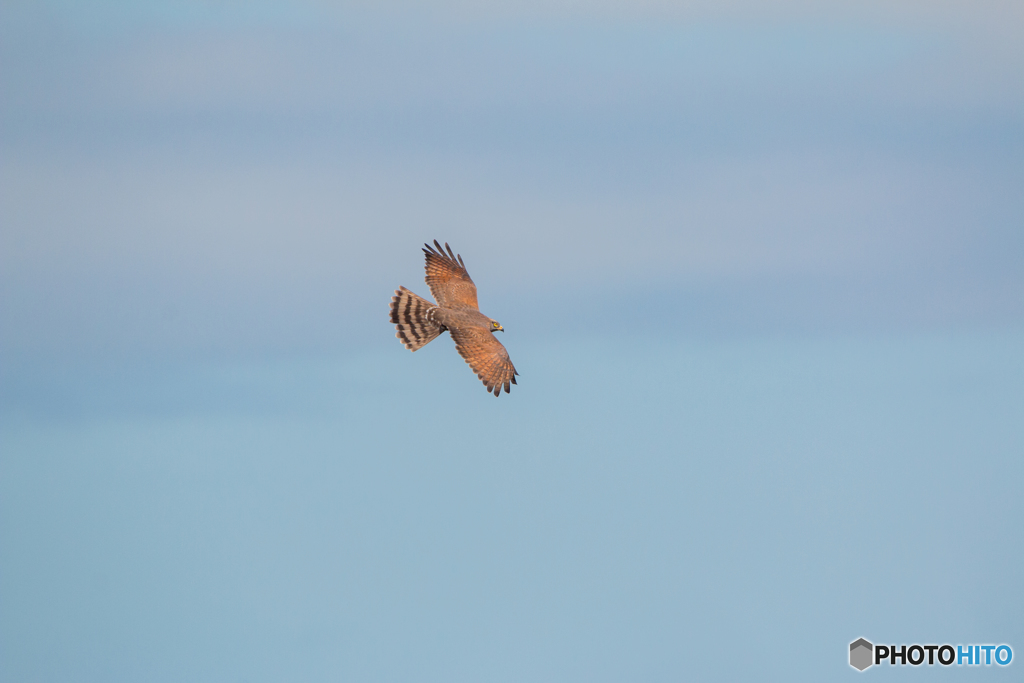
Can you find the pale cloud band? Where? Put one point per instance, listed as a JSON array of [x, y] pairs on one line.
[[190, 157]]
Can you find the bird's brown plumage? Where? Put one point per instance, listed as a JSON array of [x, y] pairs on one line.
[[448, 279], [487, 356], [418, 321]]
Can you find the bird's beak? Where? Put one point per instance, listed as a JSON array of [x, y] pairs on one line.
[[501, 329]]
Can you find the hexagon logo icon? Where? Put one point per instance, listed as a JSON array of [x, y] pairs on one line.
[[861, 654]]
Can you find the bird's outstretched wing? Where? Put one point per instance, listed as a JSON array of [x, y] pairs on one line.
[[448, 280], [486, 356]]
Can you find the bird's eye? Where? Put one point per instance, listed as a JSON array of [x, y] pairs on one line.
[[496, 324]]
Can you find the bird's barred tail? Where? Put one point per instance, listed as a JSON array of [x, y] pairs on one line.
[[412, 319]]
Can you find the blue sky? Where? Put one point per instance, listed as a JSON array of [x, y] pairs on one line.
[[247, 170], [761, 267]]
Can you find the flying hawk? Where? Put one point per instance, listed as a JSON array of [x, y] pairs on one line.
[[418, 321]]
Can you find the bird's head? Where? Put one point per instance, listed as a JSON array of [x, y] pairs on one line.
[[496, 326]]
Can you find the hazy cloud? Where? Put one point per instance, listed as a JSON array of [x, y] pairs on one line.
[[252, 167]]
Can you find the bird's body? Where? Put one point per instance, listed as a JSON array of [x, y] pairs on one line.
[[460, 318], [419, 321]]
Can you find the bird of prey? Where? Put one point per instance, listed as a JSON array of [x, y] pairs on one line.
[[419, 321]]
